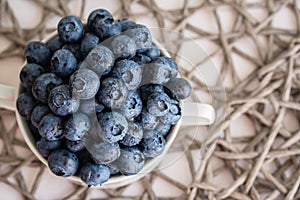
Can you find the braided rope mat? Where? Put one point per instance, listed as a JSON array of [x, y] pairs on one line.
[[264, 165]]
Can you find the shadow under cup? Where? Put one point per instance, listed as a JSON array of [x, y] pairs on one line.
[[192, 114]]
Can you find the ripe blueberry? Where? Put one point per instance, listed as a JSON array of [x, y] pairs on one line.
[[153, 144], [63, 163], [70, 29], [134, 134], [77, 126], [37, 52], [63, 62], [61, 101], [94, 174], [29, 73], [113, 126], [43, 85], [131, 161], [38, 113], [51, 127], [112, 93], [84, 83]]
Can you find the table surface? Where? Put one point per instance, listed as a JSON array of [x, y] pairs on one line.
[[175, 175]]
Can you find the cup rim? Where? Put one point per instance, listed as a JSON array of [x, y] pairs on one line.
[[115, 180]]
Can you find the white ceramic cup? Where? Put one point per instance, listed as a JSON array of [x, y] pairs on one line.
[[193, 114]]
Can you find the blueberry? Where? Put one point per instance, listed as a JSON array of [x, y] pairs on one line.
[[29, 73], [63, 163], [112, 93], [164, 129], [113, 126], [75, 49], [84, 83], [113, 169], [25, 105], [180, 87], [158, 103], [132, 106], [55, 43], [75, 146], [94, 174], [70, 29], [90, 106], [173, 115], [141, 35], [89, 42], [51, 127], [44, 84], [157, 73], [61, 101], [152, 52], [107, 27], [130, 73], [131, 161], [123, 46], [170, 63], [63, 62], [141, 59], [37, 52], [100, 60], [134, 134], [77, 126], [147, 89], [104, 152], [127, 24], [45, 147], [95, 16], [147, 120], [153, 144], [38, 113]]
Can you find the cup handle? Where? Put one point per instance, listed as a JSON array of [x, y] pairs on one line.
[[7, 97], [195, 114]]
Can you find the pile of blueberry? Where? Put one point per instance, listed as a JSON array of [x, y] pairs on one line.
[[100, 98]]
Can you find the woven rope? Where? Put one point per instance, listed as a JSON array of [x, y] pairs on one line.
[[277, 86]]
